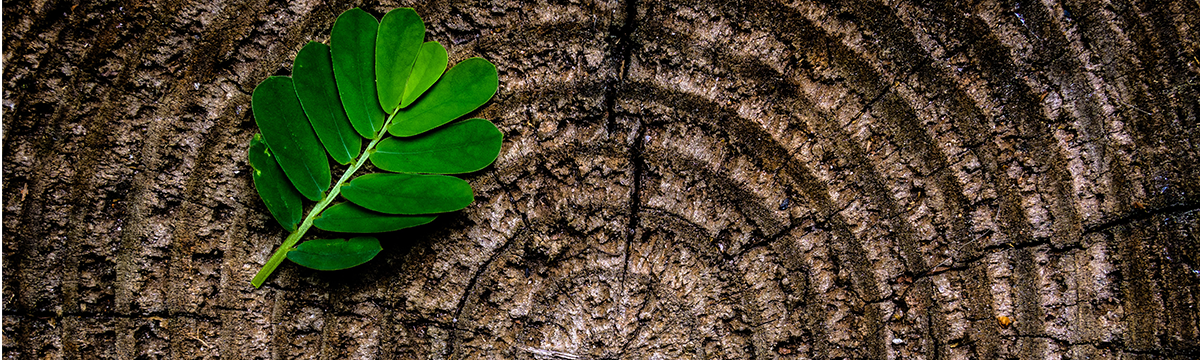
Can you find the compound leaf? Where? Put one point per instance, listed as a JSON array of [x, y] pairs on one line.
[[312, 72], [335, 254], [349, 218], [396, 47], [372, 77], [290, 137], [409, 194], [464, 88], [431, 63], [352, 46], [273, 187], [461, 147]]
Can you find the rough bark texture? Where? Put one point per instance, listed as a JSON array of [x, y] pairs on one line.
[[707, 180]]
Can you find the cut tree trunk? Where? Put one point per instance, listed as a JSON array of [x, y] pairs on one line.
[[705, 180]]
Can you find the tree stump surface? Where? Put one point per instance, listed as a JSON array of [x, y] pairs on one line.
[[695, 180]]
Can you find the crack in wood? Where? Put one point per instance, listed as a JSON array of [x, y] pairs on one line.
[[622, 46]]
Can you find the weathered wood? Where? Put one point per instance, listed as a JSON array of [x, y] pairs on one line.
[[740, 179]]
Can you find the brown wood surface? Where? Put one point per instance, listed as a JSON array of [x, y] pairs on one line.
[[698, 180]]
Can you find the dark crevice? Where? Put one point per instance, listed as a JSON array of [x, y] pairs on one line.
[[462, 301], [1127, 219], [622, 44], [635, 198], [109, 315], [949, 265]]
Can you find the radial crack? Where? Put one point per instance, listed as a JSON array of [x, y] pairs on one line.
[[621, 45]]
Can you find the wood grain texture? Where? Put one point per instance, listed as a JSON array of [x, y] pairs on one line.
[[701, 179]]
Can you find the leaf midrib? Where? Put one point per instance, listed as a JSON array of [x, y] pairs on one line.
[[290, 243]]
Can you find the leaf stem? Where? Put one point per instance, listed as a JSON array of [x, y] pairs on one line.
[[290, 243]]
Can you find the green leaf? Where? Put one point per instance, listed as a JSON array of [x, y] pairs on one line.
[[315, 86], [409, 194], [463, 88], [400, 35], [462, 147], [273, 187], [352, 44], [377, 69], [349, 218], [290, 137], [431, 63], [335, 254]]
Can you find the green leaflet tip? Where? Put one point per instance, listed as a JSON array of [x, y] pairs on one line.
[[461, 90], [397, 46]]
